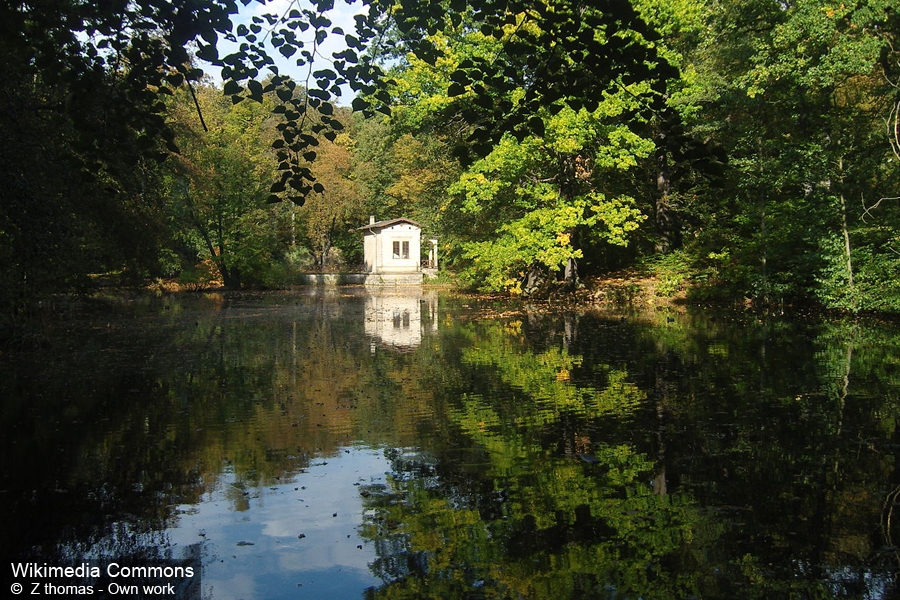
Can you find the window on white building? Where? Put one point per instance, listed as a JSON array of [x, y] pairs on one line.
[[400, 250]]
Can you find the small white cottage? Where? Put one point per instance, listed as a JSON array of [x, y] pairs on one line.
[[392, 246]]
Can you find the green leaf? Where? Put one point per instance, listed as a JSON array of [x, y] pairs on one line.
[[208, 53], [536, 125], [284, 94], [209, 35], [455, 89], [232, 87], [256, 90]]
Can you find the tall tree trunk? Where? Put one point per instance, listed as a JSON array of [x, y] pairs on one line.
[[293, 225], [230, 277], [570, 274], [666, 225], [845, 231], [764, 257], [893, 128]]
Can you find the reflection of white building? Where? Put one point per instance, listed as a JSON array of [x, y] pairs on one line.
[[400, 320]]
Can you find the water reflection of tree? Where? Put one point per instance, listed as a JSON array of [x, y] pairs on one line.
[[563, 531], [533, 520], [788, 427], [777, 458]]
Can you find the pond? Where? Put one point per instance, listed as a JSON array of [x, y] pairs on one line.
[[345, 444]]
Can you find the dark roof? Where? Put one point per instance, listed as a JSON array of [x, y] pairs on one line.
[[388, 223]]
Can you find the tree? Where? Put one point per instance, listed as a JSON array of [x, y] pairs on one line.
[[218, 182], [796, 95], [551, 197], [330, 213], [81, 192]]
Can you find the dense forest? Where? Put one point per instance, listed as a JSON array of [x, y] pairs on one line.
[[749, 147]]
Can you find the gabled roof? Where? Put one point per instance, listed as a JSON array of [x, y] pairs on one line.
[[388, 223]]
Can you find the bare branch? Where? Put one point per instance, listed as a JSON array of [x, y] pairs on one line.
[[893, 128], [867, 210], [197, 105]]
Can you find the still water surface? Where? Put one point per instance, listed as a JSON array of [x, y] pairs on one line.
[[357, 445]]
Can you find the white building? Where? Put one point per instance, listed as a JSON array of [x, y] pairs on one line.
[[395, 246]]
